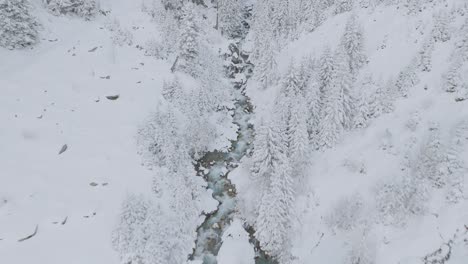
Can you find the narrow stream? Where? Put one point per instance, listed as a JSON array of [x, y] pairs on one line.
[[216, 166]]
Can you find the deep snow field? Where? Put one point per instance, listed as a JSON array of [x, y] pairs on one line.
[[55, 94], [61, 93], [343, 180]]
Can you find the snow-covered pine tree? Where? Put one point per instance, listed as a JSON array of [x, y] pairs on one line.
[[18, 28], [198, 123], [425, 55], [168, 22], [305, 71], [331, 125], [454, 166], [298, 140], [83, 8], [173, 4], [413, 6], [390, 94], [290, 89], [230, 17], [361, 119], [151, 139], [274, 217], [280, 18], [259, 24], [442, 31], [379, 100], [344, 86], [157, 237], [270, 150], [407, 78], [267, 67], [189, 42], [314, 103], [129, 236], [353, 44], [265, 44], [327, 71], [213, 82], [342, 6], [172, 91], [452, 81], [313, 14], [427, 165], [462, 43]]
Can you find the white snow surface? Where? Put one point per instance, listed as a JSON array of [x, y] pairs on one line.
[[236, 248], [55, 94], [336, 174]]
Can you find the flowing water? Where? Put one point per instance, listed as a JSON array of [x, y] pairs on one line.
[[216, 166]]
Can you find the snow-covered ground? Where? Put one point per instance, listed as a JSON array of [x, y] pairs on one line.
[[56, 95], [71, 109], [349, 174]]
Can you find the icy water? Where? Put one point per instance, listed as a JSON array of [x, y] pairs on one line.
[[216, 166]]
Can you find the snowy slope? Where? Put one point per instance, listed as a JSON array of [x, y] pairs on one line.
[[55, 94], [350, 173], [80, 89]]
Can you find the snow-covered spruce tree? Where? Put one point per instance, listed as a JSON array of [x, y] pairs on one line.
[[128, 238], [345, 92], [452, 81], [18, 28], [426, 166], [331, 126], [454, 166], [391, 93], [342, 6], [265, 44], [168, 40], [462, 42], [212, 80], [156, 135], [353, 44], [286, 97], [362, 117], [274, 217], [157, 238], [280, 18], [298, 141], [313, 14], [442, 31], [83, 8], [189, 42], [172, 4], [347, 214], [380, 100], [270, 150], [407, 78], [314, 103], [267, 67], [230, 17], [413, 6], [198, 123], [274, 211], [327, 71], [172, 92], [425, 55], [397, 199]]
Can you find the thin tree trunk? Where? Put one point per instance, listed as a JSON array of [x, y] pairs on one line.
[[217, 15], [173, 68]]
